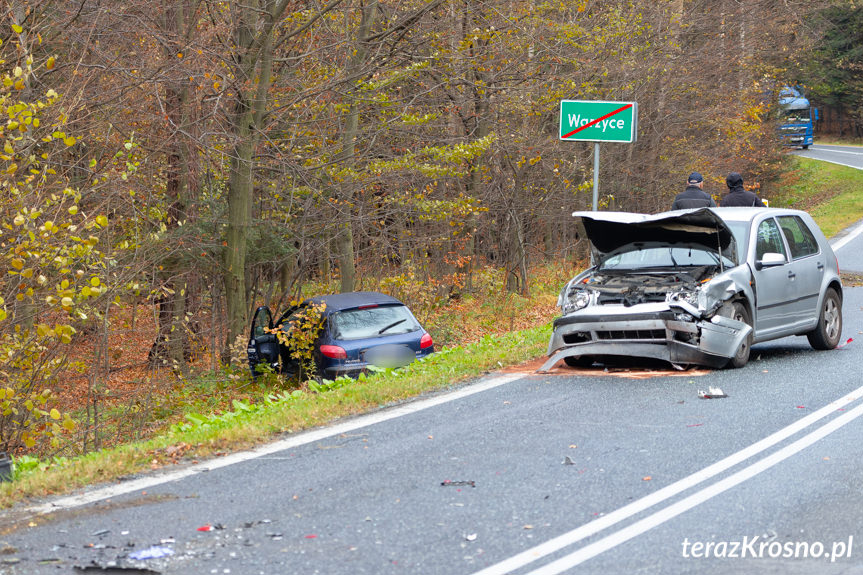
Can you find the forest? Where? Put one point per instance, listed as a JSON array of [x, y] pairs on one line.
[[180, 162]]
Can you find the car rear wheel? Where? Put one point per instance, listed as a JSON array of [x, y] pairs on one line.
[[579, 361], [741, 358], [829, 329]]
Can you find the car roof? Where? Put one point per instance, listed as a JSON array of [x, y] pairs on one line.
[[737, 214], [342, 301]]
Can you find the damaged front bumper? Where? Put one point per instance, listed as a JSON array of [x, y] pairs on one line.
[[674, 332]]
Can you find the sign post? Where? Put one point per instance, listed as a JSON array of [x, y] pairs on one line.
[[596, 121]]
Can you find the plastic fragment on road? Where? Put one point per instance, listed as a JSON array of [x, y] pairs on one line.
[[208, 527], [113, 568], [470, 537], [847, 341], [568, 460], [155, 552], [711, 393], [448, 483]]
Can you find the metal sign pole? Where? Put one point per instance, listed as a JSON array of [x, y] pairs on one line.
[[595, 176]]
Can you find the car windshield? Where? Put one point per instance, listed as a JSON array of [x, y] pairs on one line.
[[740, 231], [663, 257], [372, 322]]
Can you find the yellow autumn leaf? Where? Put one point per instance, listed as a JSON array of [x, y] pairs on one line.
[[17, 28], [50, 63], [55, 414]]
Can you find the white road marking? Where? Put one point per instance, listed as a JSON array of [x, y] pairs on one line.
[[709, 492], [627, 511], [293, 441], [835, 150], [835, 162], [848, 238]]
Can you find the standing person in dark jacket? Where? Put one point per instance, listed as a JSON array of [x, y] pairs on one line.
[[693, 196], [737, 196]]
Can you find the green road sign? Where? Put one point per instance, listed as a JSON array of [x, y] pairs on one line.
[[588, 121]]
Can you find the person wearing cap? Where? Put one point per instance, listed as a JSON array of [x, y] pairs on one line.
[[737, 196], [693, 196]]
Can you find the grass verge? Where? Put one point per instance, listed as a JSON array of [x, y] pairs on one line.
[[833, 194]]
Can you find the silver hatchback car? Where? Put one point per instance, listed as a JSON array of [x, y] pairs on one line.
[[698, 287]]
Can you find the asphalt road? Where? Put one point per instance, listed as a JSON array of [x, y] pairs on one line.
[[617, 472], [851, 156]]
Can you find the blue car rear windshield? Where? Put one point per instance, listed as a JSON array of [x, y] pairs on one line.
[[372, 322]]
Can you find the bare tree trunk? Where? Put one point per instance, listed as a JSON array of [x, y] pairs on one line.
[[249, 106], [344, 241]]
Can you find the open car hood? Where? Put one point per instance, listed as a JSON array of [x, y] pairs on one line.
[[610, 232]]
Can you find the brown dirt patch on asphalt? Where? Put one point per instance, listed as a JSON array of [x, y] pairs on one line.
[[633, 371]]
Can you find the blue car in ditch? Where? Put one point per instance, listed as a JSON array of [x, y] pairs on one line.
[[359, 329]]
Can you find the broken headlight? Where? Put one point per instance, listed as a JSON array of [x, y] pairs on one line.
[[576, 299], [689, 296]]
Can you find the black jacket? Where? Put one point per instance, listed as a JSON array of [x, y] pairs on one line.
[[738, 197], [692, 197]]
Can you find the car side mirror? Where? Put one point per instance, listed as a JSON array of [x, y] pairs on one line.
[[769, 260]]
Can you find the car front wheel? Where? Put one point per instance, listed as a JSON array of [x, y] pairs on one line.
[[741, 357], [829, 329]]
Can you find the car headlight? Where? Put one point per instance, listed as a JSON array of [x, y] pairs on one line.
[[690, 297], [579, 299]]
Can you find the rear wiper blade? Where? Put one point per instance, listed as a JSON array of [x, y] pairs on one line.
[[393, 324]]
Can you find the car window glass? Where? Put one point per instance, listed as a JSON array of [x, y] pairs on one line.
[[740, 231], [372, 322], [800, 240], [663, 257], [261, 322], [769, 240]]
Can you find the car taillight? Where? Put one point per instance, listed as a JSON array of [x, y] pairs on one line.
[[334, 352], [426, 341]]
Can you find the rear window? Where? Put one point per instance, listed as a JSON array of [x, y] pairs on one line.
[[372, 322]]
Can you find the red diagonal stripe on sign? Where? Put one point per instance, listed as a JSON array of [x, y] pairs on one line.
[[596, 121]]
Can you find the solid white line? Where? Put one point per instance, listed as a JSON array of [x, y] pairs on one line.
[[297, 440], [709, 492], [848, 238], [834, 162], [627, 511], [835, 151]]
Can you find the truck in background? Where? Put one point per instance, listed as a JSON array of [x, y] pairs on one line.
[[797, 118]]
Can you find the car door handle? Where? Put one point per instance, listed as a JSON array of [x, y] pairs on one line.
[[792, 275], [820, 266]]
